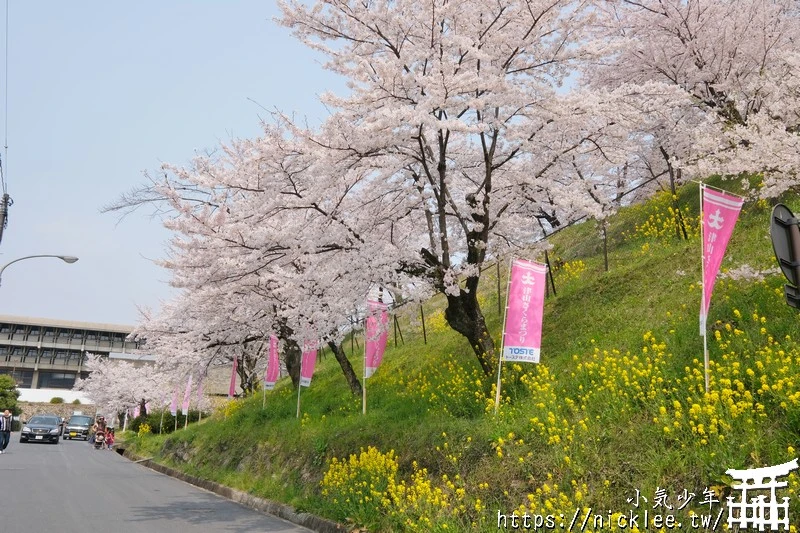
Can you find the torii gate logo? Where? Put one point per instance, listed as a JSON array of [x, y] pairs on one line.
[[756, 511]]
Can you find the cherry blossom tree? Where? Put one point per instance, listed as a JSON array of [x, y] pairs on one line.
[[459, 107], [736, 63], [118, 385], [194, 333], [457, 143]]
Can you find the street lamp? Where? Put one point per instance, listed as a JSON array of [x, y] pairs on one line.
[[66, 258]]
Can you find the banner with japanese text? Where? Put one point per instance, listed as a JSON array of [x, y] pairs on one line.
[[187, 395], [377, 335], [307, 363], [273, 364], [719, 214], [173, 406], [522, 335], [232, 387]]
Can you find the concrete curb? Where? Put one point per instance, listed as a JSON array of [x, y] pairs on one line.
[[286, 512]]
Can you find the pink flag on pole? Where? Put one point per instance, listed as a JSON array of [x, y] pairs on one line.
[[308, 362], [173, 407], [187, 395], [377, 336], [232, 388], [273, 364], [136, 411], [522, 335], [720, 211]]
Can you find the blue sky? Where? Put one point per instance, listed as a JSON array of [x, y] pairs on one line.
[[99, 92]]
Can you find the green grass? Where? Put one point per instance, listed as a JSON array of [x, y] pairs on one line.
[[609, 410]]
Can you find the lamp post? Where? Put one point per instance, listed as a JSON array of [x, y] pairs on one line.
[[66, 258]]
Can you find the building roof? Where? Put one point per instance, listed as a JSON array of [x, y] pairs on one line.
[[65, 324]]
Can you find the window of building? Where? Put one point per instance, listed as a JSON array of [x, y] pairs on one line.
[[56, 380], [31, 354], [19, 332], [49, 333], [5, 328], [24, 378]]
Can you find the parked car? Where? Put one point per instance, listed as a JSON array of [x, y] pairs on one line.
[[78, 426], [41, 428]]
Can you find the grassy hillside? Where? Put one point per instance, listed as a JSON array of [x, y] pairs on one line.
[[617, 405]]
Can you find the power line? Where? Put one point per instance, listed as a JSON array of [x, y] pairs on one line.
[[5, 199], [5, 144]]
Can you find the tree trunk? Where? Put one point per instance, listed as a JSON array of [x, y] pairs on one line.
[[292, 356], [680, 227], [347, 368], [143, 407], [247, 369], [464, 315]]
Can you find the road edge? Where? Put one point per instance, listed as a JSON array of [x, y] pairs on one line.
[[286, 512]]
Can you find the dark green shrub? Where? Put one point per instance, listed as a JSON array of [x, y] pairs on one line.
[[56, 399], [153, 419]]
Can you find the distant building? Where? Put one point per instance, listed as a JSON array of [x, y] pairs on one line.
[[41, 353]]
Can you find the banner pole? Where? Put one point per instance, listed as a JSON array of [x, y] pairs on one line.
[[705, 357], [299, 386], [502, 342], [422, 316], [703, 310], [298, 399]]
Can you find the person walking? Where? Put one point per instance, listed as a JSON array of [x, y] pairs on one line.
[[5, 430]]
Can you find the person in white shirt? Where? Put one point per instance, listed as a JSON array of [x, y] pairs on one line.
[[5, 430]]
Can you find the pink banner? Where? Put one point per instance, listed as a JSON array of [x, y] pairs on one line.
[[377, 335], [720, 211], [187, 395], [232, 388], [522, 335], [136, 411], [308, 362], [173, 407], [273, 364]]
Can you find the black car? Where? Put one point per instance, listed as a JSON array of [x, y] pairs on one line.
[[77, 427], [41, 428]]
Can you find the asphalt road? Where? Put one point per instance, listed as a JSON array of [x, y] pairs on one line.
[[72, 488]]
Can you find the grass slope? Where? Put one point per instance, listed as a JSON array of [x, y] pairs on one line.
[[617, 405]]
